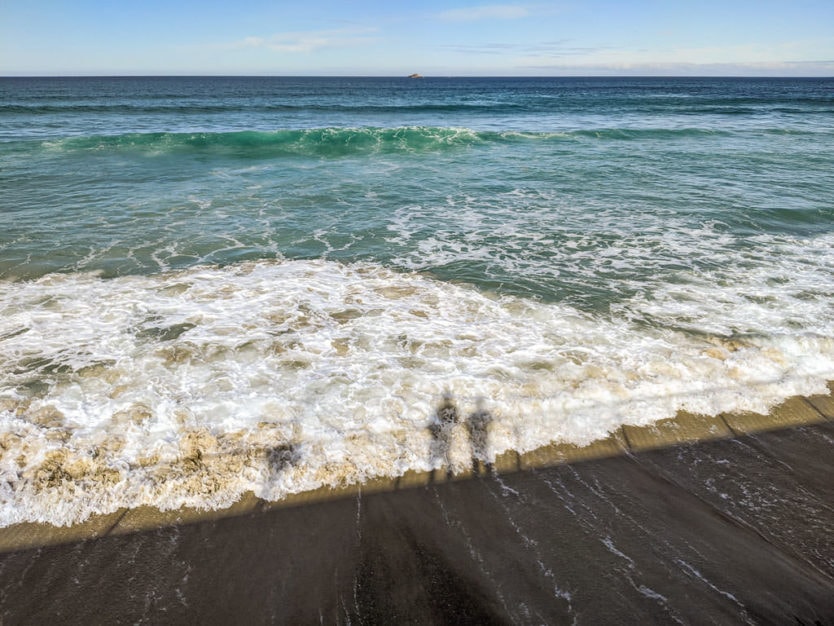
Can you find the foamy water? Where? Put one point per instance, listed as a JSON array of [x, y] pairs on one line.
[[191, 387]]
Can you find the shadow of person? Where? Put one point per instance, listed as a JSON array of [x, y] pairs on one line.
[[477, 425], [441, 426], [283, 456]]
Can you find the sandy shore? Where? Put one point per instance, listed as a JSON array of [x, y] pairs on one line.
[[694, 519]]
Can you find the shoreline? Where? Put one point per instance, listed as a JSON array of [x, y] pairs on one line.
[[684, 428], [729, 530]]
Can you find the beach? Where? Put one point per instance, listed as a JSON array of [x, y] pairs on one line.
[[733, 529]]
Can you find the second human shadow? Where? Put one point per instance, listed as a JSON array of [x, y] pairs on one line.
[[477, 426]]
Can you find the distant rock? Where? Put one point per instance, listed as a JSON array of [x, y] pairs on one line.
[[415, 76]]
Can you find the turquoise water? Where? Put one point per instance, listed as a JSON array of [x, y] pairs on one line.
[[243, 263]]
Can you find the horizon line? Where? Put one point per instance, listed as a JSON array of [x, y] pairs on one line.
[[407, 76]]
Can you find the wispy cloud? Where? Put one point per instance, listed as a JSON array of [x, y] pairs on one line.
[[484, 48], [549, 49], [484, 12], [783, 68], [307, 41]]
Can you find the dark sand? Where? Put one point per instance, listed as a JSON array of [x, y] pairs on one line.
[[729, 531]]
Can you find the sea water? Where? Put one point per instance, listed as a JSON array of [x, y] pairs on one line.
[[217, 285]]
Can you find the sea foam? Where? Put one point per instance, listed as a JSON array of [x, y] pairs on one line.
[[191, 387]]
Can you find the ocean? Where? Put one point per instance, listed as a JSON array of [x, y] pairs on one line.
[[217, 285]]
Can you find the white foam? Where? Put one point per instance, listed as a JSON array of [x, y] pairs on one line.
[[190, 387]]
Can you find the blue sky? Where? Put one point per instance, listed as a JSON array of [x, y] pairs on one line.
[[371, 37]]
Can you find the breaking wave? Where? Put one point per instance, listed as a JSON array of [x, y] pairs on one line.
[[337, 142]]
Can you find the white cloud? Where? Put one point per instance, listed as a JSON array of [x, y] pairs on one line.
[[784, 68], [485, 12], [307, 41], [544, 51], [790, 58]]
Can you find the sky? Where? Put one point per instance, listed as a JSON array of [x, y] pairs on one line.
[[433, 38]]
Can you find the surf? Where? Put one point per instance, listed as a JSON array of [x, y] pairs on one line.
[[177, 388]]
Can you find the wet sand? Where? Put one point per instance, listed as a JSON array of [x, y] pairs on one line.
[[733, 530]]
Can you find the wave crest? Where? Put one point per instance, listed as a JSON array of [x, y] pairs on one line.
[[339, 142]]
